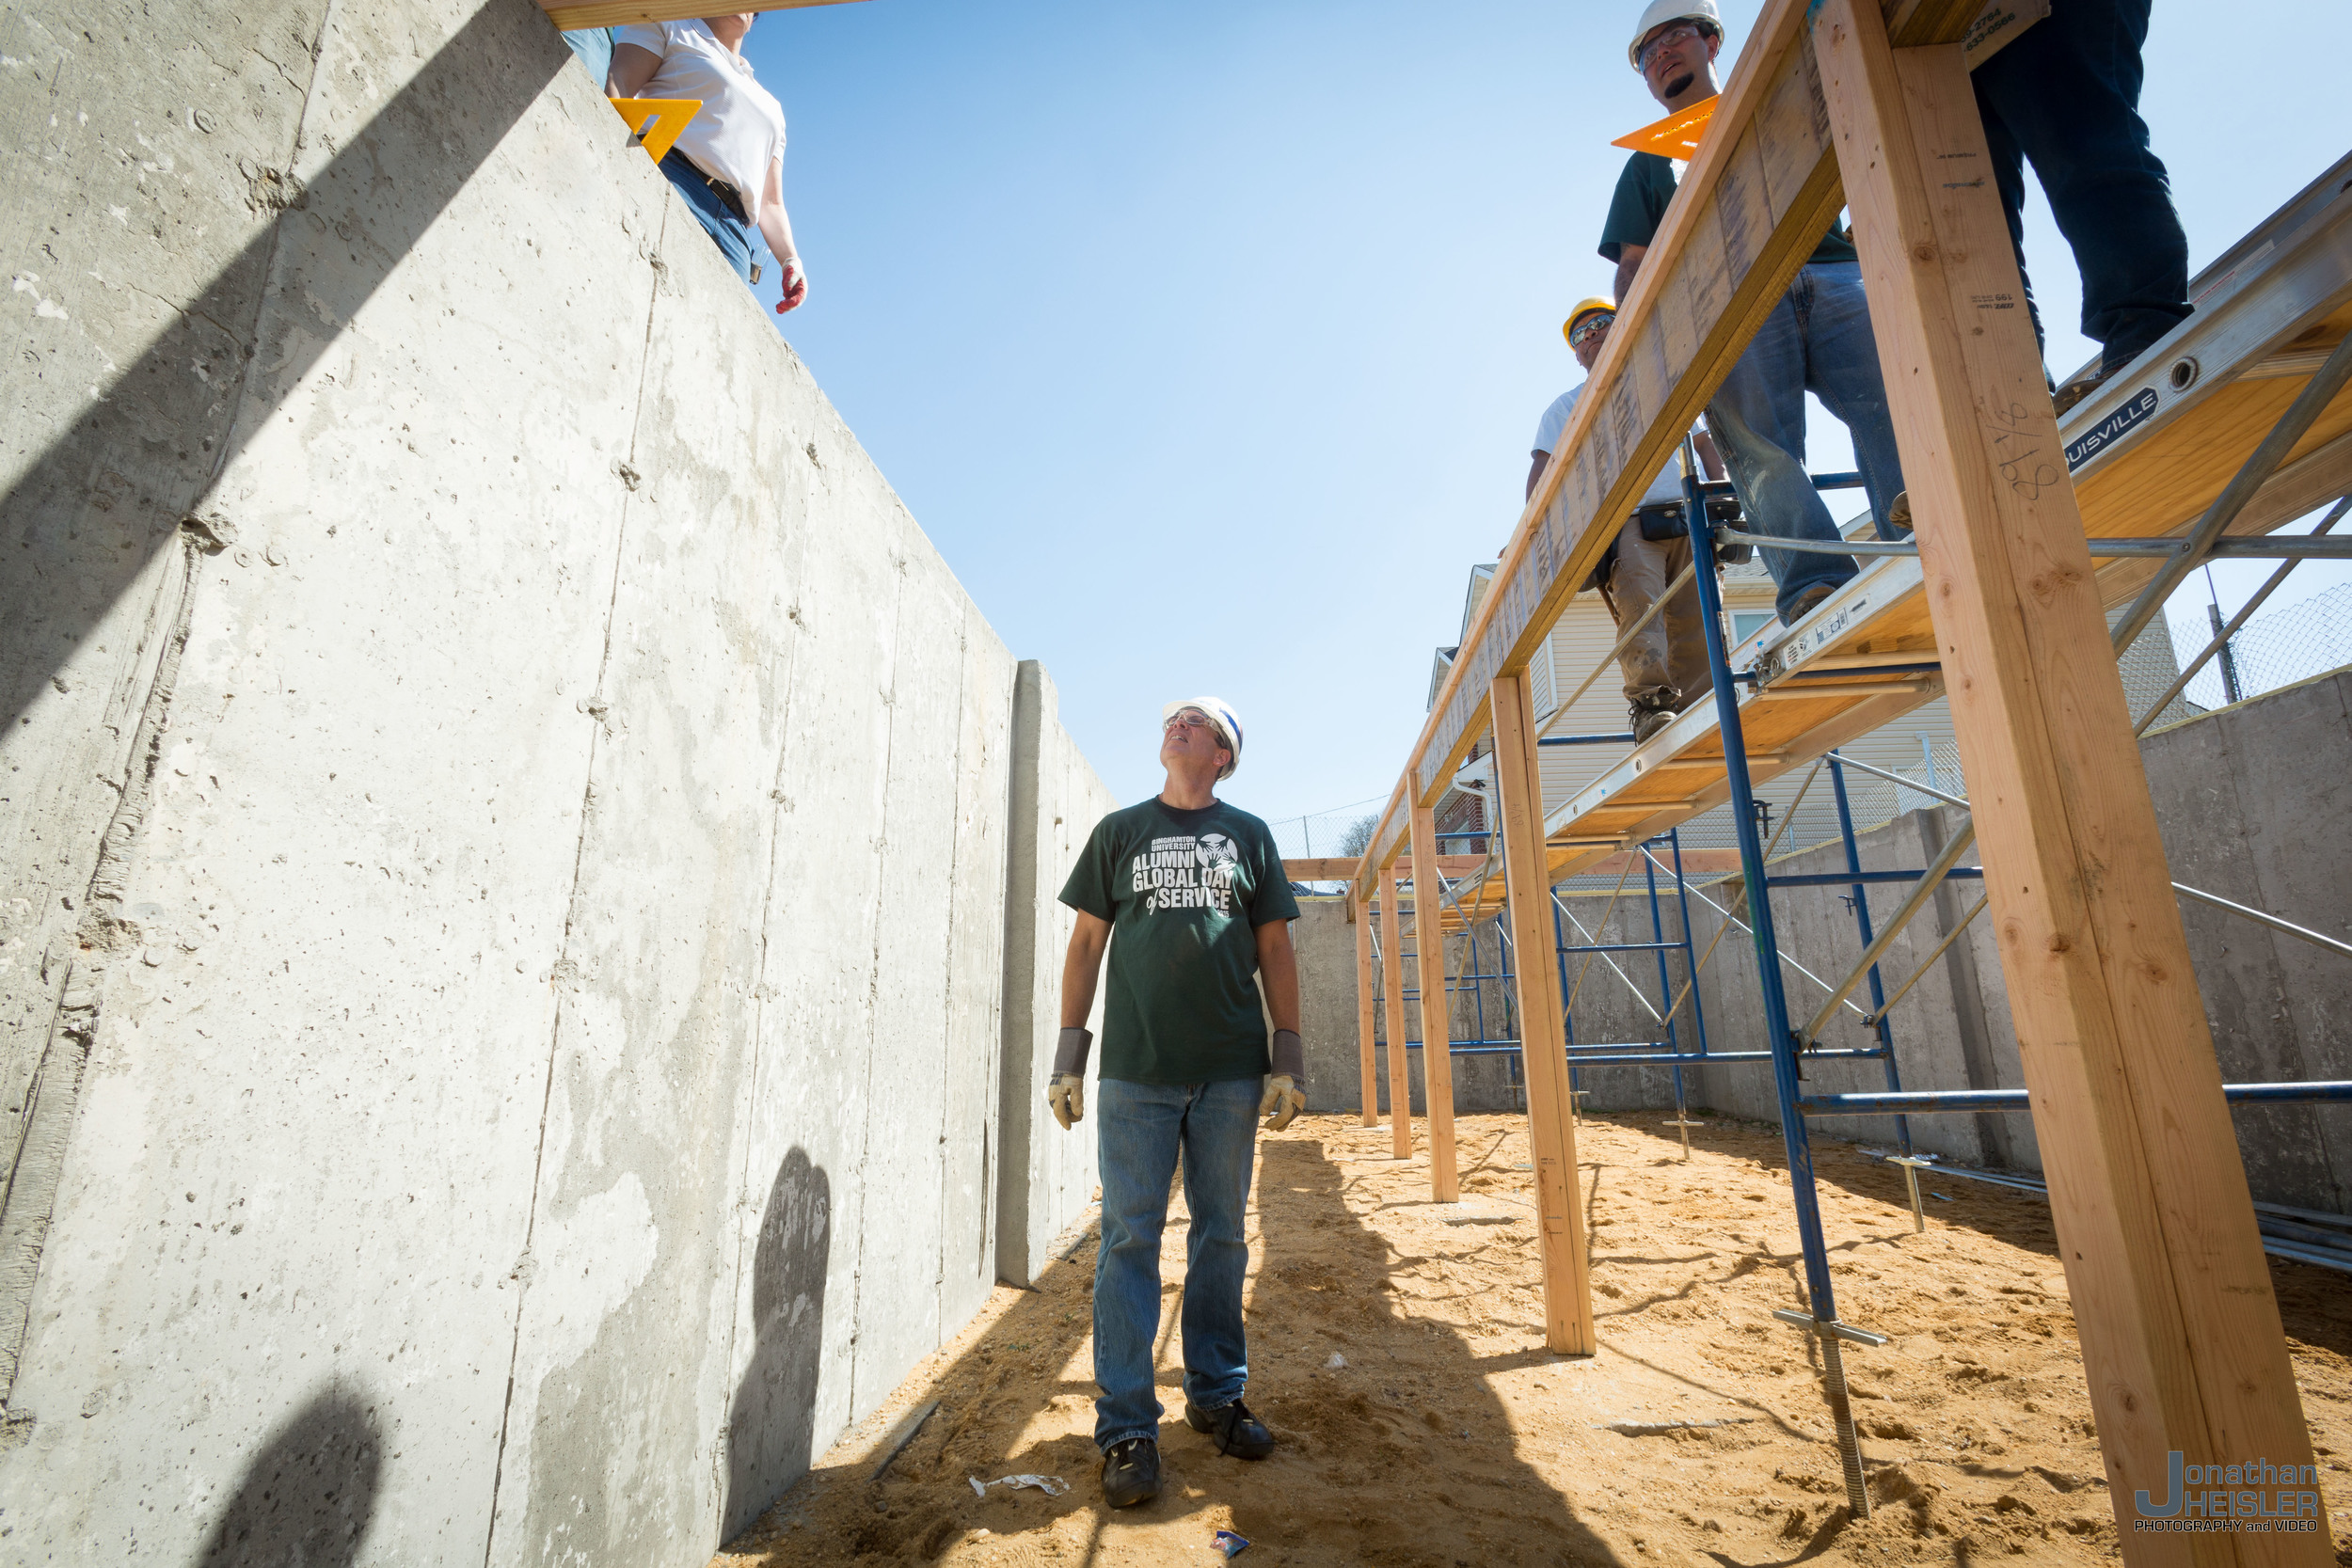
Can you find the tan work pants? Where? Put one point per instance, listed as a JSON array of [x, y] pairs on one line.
[[1666, 667]]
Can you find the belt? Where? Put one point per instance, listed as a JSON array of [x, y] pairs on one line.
[[728, 195]]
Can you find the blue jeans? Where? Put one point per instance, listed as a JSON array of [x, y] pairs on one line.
[[1817, 340], [731, 234], [2066, 96], [1140, 1128]]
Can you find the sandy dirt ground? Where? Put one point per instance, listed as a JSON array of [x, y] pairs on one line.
[[1397, 1349]]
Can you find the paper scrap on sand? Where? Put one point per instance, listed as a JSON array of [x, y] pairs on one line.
[[1230, 1544], [1053, 1486]]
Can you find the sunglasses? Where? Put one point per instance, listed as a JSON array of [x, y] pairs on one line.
[[1190, 718], [1590, 328]]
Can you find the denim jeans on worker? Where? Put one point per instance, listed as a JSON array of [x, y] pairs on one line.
[[731, 234], [1140, 1131], [1817, 340], [2065, 95]]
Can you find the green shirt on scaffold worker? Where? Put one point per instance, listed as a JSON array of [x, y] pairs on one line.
[[1188, 896]]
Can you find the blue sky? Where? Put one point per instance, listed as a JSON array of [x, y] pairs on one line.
[[1207, 340]]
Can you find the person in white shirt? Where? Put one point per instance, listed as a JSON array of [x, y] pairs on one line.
[[728, 162], [1666, 667]]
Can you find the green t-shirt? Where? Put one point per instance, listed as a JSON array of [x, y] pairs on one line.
[[1184, 892], [1639, 207]]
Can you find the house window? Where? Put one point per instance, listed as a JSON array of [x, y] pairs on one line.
[[1747, 622]]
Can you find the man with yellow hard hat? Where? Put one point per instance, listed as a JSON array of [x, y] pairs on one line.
[[1665, 666]]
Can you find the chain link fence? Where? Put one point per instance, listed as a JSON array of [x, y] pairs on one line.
[[2272, 650], [1341, 830]]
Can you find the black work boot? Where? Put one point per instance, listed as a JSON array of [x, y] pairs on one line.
[[1131, 1472], [1234, 1429]]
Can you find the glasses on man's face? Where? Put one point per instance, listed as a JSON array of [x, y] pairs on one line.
[[1679, 31], [1589, 328], [1190, 718]]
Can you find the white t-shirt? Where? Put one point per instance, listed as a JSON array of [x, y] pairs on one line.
[[1665, 490], [739, 130]]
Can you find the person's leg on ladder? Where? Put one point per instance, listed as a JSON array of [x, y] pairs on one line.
[[1640, 577], [1757, 419], [1686, 635], [1842, 368], [2067, 93]]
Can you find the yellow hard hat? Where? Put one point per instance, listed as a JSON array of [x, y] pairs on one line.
[[1585, 308]]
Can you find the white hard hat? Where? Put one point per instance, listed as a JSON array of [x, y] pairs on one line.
[[1660, 12], [1222, 719]]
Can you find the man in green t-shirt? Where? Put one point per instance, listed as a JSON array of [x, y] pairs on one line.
[[1189, 896], [1817, 339]]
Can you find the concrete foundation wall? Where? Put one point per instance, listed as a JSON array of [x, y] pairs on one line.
[[2252, 800], [1047, 1179], [507, 825]]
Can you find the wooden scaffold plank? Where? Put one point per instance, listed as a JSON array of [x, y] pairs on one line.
[[2181, 1335]]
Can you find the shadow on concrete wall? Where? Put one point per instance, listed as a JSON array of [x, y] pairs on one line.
[[111, 491], [772, 1423], [305, 1498]]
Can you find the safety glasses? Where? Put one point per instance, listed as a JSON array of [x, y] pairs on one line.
[[1672, 35], [1590, 328]]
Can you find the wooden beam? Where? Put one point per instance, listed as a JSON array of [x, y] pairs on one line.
[[1543, 1029], [569, 15], [1437, 1053], [1392, 996], [2182, 1342], [1364, 1019], [1341, 868]]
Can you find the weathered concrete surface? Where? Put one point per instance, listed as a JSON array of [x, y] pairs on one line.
[[2252, 800], [523, 869], [1047, 1176]]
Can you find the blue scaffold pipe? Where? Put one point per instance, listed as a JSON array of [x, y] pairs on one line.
[[1848, 879], [1691, 1058]]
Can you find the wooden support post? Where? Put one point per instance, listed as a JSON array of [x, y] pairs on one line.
[[1365, 1022], [2181, 1336], [1392, 994], [1543, 1029], [1436, 1054]]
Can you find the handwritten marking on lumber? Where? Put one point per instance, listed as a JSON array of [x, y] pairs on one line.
[[2010, 430]]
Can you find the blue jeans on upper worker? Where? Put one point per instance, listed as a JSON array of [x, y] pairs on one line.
[[1141, 1131], [1817, 340], [2065, 95], [719, 217]]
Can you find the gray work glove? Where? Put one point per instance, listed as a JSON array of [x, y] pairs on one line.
[[1286, 1090], [1066, 1091], [1284, 1099]]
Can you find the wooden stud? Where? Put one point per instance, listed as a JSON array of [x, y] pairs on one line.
[[1437, 1053], [1543, 1029], [2182, 1342], [1364, 1019], [1392, 994]]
